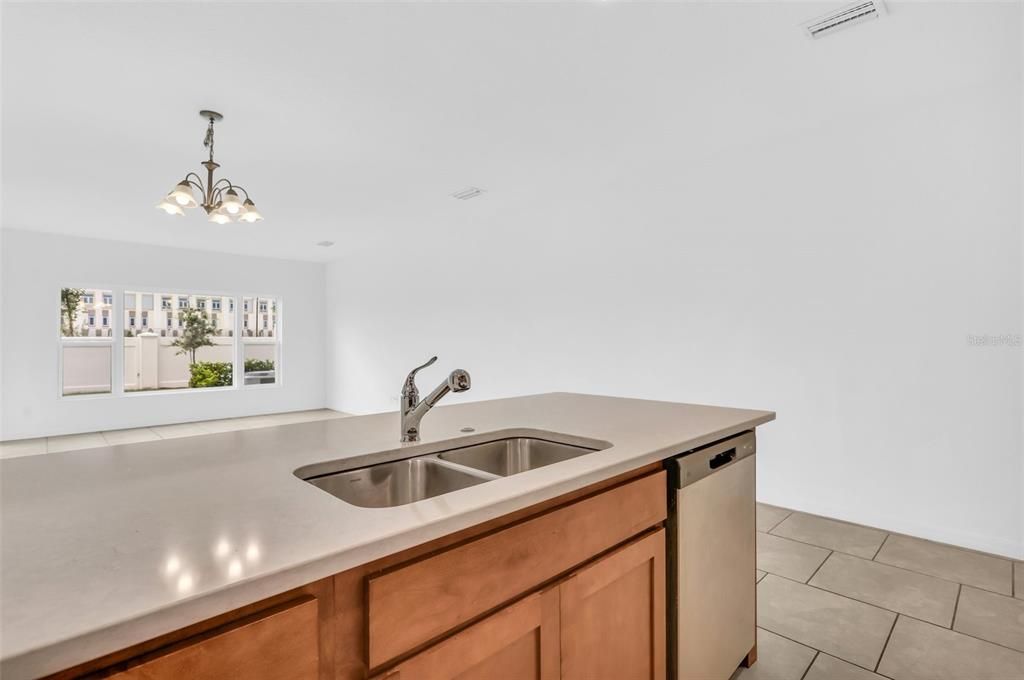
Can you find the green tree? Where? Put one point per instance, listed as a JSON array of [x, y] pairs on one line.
[[196, 334], [69, 300]]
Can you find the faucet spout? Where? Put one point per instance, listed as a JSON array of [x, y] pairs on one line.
[[413, 409]]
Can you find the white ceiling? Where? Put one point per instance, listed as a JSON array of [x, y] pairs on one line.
[[353, 122]]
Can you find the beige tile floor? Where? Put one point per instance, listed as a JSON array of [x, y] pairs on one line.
[[837, 601], [90, 440]]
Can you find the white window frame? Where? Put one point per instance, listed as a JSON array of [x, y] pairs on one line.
[[116, 341], [113, 341], [277, 340]]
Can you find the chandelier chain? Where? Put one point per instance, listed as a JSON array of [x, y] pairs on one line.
[[208, 140]]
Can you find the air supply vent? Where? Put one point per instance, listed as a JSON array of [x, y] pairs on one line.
[[844, 17], [467, 193]]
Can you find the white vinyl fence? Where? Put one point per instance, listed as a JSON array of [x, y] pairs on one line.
[[151, 362]]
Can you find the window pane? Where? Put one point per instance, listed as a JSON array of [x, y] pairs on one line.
[[86, 340], [85, 313], [86, 368], [260, 340], [181, 345]]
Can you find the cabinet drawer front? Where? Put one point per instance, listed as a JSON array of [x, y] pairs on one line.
[[413, 604], [280, 644]]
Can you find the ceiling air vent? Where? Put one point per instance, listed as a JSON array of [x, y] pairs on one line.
[[467, 193], [844, 17]]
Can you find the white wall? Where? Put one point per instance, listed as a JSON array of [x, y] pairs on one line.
[[832, 271], [36, 265]]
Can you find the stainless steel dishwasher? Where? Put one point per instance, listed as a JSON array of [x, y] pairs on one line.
[[712, 597]]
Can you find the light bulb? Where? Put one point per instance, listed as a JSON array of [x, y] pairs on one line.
[[231, 202], [169, 206], [219, 218], [182, 194]]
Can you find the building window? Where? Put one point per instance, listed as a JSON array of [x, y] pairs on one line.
[[145, 319], [201, 303], [165, 302], [108, 298], [182, 302], [215, 304], [86, 353], [261, 350], [131, 318]]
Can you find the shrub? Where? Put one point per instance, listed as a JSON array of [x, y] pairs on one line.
[[258, 365], [210, 374]]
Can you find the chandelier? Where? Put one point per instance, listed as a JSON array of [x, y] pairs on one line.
[[220, 199]]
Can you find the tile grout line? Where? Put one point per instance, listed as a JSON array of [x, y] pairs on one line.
[[813, 545], [908, 569], [813, 659], [956, 607], [890, 533], [776, 525], [886, 645], [830, 553], [884, 541], [891, 611]]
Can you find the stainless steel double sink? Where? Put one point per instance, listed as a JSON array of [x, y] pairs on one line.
[[433, 474]]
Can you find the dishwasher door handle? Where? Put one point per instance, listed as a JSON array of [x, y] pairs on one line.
[[722, 459]]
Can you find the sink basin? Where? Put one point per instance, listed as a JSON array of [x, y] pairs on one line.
[[398, 483], [510, 456]]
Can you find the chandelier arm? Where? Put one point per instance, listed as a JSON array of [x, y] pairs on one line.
[[219, 189], [197, 183], [242, 189]]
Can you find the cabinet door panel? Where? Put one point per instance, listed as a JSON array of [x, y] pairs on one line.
[[612, 615], [520, 642], [280, 644]]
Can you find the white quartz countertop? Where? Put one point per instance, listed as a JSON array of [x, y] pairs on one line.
[[104, 548]]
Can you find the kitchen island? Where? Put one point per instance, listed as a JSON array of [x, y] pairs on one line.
[[115, 557]]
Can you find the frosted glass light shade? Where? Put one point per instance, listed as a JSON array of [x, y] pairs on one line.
[[231, 202], [170, 206], [182, 195], [250, 214]]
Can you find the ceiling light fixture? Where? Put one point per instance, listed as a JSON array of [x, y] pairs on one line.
[[220, 199]]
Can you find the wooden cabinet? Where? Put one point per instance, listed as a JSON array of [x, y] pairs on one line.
[[280, 644], [415, 603], [612, 615], [604, 622], [519, 642]]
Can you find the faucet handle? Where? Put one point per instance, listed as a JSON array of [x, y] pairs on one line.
[[410, 381]]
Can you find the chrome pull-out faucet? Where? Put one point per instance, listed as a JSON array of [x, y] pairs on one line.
[[413, 409]]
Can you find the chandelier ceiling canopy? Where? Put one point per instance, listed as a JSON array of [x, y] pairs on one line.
[[220, 198]]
